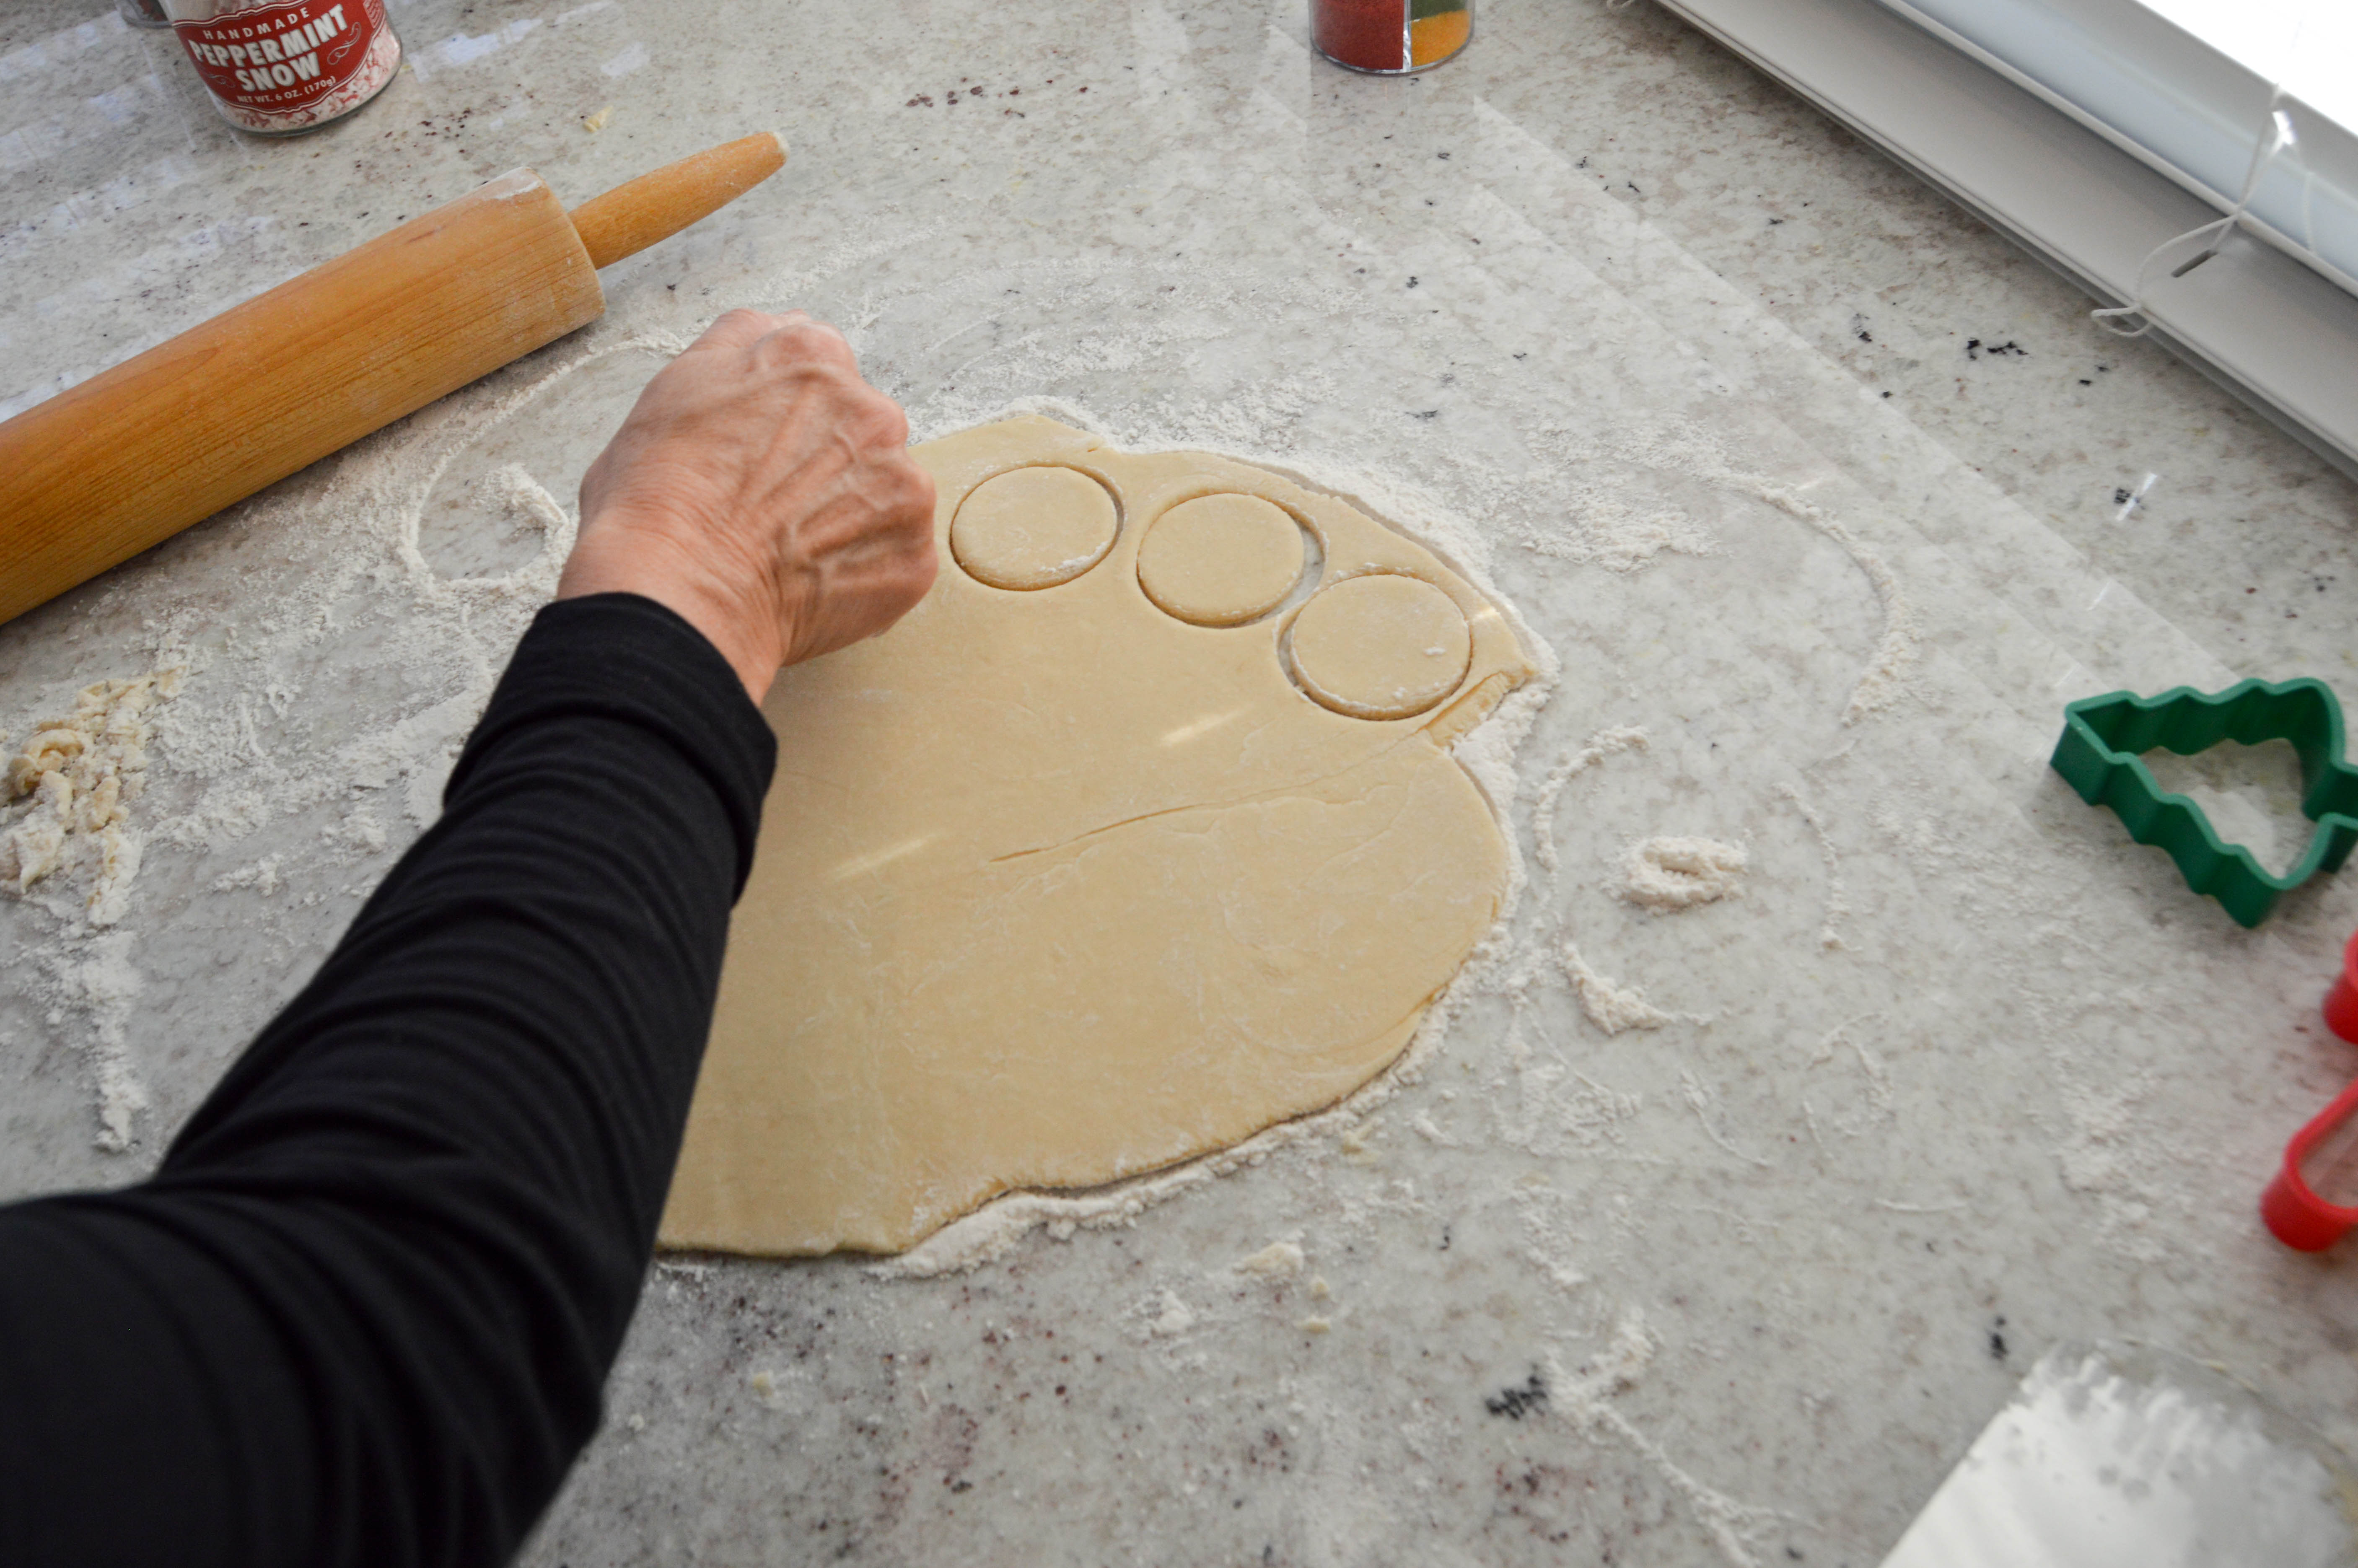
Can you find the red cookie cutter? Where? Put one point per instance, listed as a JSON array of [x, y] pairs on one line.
[[2325, 1152]]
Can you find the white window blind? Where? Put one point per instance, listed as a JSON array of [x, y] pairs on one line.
[[2097, 131], [2191, 88]]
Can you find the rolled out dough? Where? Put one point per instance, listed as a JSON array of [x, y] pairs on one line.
[[1055, 887]]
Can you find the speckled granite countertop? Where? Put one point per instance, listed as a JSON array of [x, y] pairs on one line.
[[1789, 464]]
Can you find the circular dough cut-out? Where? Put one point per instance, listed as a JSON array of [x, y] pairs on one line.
[[1380, 647], [1220, 560], [1034, 527]]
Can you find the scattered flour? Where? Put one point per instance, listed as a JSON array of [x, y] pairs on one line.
[[1551, 1109], [1599, 746], [255, 737], [1894, 656], [1679, 872], [1837, 904], [359, 831], [392, 766], [1610, 1006], [1878, 1080], [1703, 1101], [1424, 1127], [261, 876], [1586, 1394], [1609, 501], [2105, 1159], [1621, 539], [96, 975]]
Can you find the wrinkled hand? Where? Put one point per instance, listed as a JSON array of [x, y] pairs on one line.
[[764, 491]]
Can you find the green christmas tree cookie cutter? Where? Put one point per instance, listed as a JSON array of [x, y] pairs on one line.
[[2098, 755]]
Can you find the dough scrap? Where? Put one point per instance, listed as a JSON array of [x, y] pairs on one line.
[[81, 772], [1055, 888]]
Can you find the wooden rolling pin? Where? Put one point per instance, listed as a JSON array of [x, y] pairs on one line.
[[132, 456]]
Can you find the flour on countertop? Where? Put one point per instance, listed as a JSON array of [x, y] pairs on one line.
[[1548, 1107], [1601, 745], [262, 877], [1209, 370], [1704, 1100], [1886, 674], [1615, 513], [1679, 873], [1586, 1394], [1618, 541], [2103, 1159], [93, 973], [1611, 1006], [1837, 905]]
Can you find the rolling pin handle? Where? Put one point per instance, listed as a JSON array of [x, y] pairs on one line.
[[658, 205]]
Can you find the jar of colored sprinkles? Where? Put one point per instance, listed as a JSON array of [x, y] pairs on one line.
[[1391, 38]]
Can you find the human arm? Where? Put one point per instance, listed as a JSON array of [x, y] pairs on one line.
[[362, 1312]]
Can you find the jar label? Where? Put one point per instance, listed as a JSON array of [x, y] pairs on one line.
[[284, 66]]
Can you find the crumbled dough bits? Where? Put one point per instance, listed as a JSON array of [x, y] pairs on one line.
[[1034, 527], [1055, 888], [1385, 646], [1221, 560], [82, 772]]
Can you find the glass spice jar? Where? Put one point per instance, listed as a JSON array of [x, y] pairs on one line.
[[287, 66], [1391, 38]]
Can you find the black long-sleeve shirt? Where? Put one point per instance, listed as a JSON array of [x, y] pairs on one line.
[[363, 1311]]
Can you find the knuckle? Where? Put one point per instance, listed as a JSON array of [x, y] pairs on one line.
[[741, 325], [877, 421], [814, 339], [803, 353]]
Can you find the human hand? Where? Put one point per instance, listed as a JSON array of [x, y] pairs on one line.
[[763, 491]]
